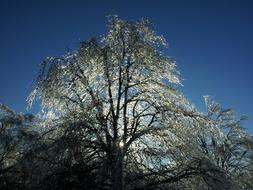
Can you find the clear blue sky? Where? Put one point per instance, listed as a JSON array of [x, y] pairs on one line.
[[212, 42]]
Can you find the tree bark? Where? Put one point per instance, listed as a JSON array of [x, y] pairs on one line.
[[117, 171]]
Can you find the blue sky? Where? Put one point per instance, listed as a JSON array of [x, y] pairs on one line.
[[211, 41]]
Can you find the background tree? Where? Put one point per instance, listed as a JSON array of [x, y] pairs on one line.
[[14, 137], [225, 143]]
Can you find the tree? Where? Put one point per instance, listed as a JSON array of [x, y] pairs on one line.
[[14, 136], [121, 90], [119, 99]]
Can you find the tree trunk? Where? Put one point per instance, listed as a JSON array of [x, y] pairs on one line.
[[117, 173]]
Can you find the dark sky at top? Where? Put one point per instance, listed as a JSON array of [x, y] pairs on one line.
[[212, 42]]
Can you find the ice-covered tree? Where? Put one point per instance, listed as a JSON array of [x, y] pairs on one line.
[[14, 137], [120, 94]]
